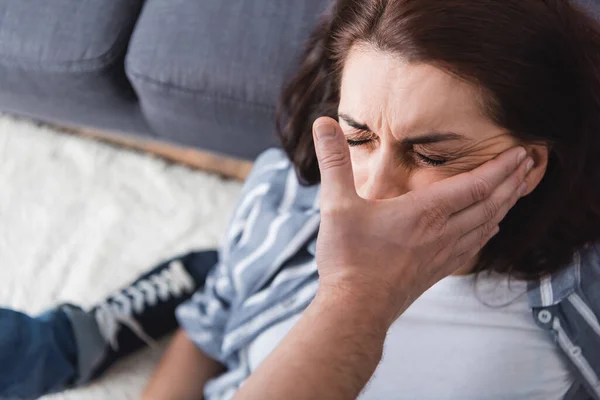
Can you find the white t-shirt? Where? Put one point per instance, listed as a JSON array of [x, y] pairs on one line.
[[461, 340]]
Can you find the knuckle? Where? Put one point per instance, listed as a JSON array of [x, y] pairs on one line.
[[334, 158], [491, 209], [433, 217], [480, 189], [504, 208], [336, 209], [485, 231], [482, 234], [328, 210]]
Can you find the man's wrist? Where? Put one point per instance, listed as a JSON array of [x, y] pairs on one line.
[[370, 314], [348, 333]]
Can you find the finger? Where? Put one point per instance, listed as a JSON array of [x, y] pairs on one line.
[[493, 209], [461, 191], [464, 253], [337, 180], [473, 250], [475, 238]]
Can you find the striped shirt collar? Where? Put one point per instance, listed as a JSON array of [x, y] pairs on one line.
[[553, 289]]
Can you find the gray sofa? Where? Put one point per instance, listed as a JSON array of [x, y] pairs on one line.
[[203, 73]]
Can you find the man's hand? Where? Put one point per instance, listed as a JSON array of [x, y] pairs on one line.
[[389, 252], [375, 258]]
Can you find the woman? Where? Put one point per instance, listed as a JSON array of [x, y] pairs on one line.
[[424, 90]]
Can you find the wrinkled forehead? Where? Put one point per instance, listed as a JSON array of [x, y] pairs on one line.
[[389, 93]]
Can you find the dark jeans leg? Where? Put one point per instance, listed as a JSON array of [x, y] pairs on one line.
[[37, 355]]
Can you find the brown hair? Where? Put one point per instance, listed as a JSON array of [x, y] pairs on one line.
[[538, 63]]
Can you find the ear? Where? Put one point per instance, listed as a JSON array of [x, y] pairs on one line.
[[539, 153]]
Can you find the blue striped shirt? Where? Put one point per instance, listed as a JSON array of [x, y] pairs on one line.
[[267, 273]]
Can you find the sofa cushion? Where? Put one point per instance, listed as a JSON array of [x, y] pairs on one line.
[[209, 72], [62, 60], [65, 34]]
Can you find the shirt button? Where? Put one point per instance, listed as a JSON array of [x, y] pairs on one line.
[[545, 316], [576, 351]]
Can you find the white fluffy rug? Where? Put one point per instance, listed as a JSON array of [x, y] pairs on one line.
[[81, 218]]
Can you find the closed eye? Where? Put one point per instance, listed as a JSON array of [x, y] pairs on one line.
[[353, 143], [418, 158], [434, 162]]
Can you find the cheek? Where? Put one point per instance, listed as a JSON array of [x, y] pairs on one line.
[[425, 177], [360, 167]]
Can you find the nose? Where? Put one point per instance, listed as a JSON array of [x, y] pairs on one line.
[[387, 178]]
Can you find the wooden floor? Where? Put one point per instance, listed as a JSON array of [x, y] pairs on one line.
[[193, 158]]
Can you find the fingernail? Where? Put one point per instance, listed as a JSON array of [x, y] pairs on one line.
[[521, 156], [529, 165], [522, 189], [324, 130]]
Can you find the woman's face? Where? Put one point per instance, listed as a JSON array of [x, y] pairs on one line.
[[409, 125]]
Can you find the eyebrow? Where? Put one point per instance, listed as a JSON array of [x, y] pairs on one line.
[[428, 138]]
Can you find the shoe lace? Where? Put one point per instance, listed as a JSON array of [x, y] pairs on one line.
[[118, 310]]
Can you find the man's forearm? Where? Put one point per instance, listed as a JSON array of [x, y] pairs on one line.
[[182, 372], [330, 354]]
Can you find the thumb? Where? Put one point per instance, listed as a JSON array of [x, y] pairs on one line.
[[337, 179]]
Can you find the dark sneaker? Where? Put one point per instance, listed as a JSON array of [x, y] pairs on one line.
[[144, 312]]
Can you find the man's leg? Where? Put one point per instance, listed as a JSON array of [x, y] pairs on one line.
[[143, 312], [37, 355], [68, 346]]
